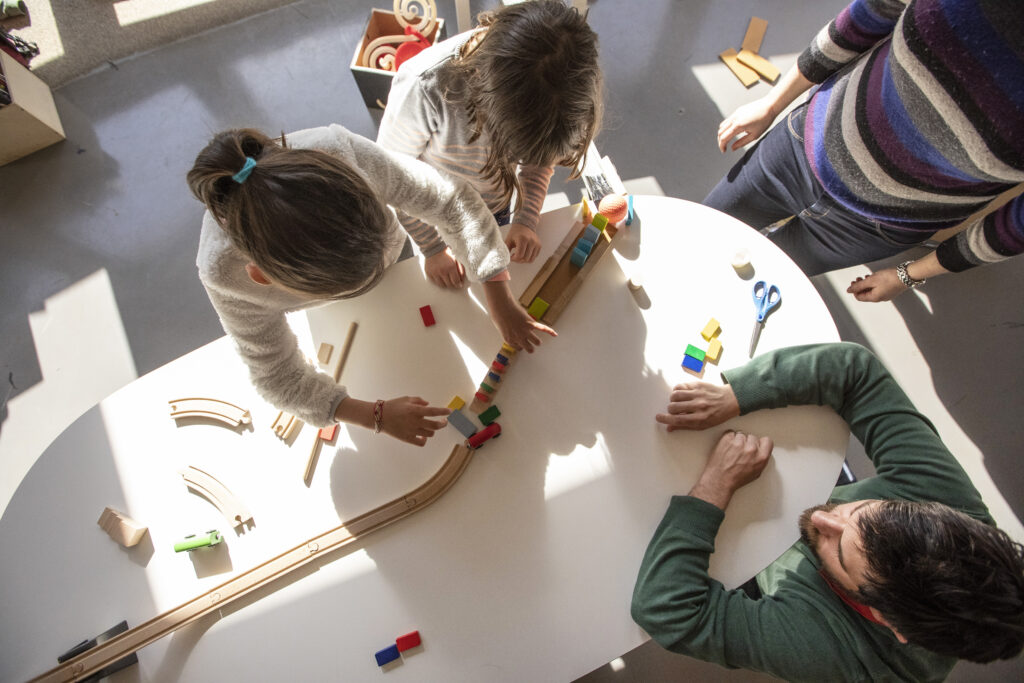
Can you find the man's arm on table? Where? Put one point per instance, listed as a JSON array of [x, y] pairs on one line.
[[677, 602]]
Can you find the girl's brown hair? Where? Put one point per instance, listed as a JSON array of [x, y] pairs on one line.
[[532, 83], [304, 217]]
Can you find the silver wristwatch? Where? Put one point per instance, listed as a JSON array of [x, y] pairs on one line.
[[904, 276]]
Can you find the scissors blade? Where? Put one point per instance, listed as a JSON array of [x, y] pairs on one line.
[[758, 326]]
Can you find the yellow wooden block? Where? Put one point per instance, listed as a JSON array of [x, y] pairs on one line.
[[538, 308], [456, 403], [714, 350], [711, 329], [507, 350]]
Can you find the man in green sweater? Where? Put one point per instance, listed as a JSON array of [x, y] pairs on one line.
[[897, 577]]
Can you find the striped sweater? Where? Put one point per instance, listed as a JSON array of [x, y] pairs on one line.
[[419, 122], [919, 120]]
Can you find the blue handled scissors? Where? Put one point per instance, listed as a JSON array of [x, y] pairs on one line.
[[766, 298]]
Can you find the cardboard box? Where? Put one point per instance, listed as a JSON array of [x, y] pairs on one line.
[[30, 121], [374, 84]]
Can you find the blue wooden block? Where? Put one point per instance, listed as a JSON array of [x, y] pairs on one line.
[[388, 654], [591, 234], [578, 258], [493, 377], [629, 211], [462, 423], [585, 245], [501, 359], [691, 363]]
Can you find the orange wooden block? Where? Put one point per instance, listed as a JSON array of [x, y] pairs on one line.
[[755, 34], [747, 76], [759, 64]]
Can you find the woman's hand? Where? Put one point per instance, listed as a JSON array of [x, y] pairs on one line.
[[444, 271], [883, 285], [749, 122], [523, 243]]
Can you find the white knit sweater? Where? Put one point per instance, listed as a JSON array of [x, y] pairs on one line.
[[254, 315]]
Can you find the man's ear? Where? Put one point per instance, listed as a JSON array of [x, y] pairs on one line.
[[882, 620], [256, 275]]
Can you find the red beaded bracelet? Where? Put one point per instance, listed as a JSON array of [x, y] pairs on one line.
[[378, 416]]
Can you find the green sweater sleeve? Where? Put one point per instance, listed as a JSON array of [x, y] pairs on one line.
[[801, 631], [798, 634], [910, 459]]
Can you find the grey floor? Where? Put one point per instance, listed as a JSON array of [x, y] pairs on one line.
[[113, 197]]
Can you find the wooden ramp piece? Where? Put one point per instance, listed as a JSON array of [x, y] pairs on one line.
[[218, 494], [275, 568], [210, 408]]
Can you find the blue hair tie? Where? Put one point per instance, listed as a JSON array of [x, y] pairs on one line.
[[241, 176]]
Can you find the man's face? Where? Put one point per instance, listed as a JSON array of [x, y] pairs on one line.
[[831, 531]]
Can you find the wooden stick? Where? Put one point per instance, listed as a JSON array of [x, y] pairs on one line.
[[264, 574], [343, 356]]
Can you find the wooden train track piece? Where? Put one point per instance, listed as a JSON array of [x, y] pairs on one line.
[[264, 574], [210, 408], [218, 494], [285, 425]]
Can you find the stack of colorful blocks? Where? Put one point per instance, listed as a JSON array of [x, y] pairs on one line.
[[393, 652], [695, 358], [586, 243]]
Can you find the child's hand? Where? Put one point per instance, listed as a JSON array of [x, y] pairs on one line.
[[523, 243], [444, 271], [406, 419], [511, 319]]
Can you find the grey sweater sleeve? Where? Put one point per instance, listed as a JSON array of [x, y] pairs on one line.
[[420, 190], [254, 316]]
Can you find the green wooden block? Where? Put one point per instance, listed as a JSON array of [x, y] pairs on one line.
[[692, 350], [600, 222], [489, 415], [192, 542], [487, 387], [538, 308]]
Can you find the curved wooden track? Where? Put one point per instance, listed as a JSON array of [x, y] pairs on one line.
[[136, 638], [210, 408], [212, 490]]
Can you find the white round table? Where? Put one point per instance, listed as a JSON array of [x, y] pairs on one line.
[[523, 571]]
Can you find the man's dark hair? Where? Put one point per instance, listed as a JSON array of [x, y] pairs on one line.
[[947, 582]]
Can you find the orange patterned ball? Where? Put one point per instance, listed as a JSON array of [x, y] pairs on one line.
[[613, 207]]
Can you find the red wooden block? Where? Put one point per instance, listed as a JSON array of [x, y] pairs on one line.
[[498, 367], [408, 641], [483, 397], [327, 433], [428, 316]]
